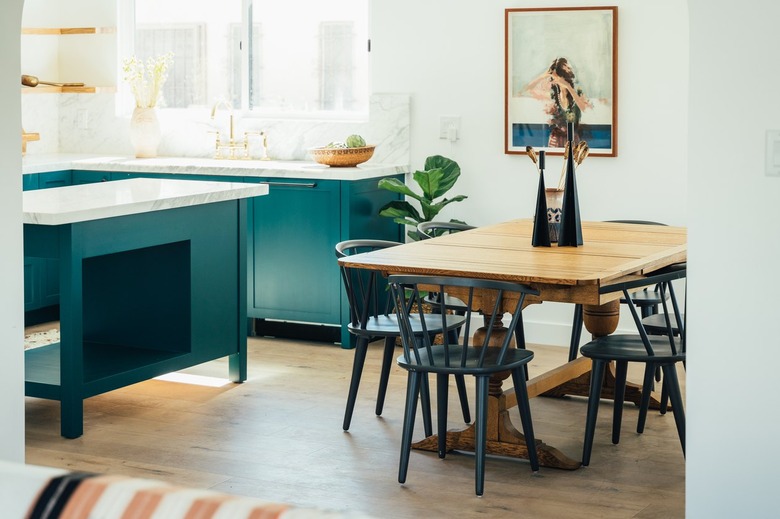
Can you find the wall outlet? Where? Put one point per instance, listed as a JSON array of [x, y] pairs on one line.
[[449, 127]]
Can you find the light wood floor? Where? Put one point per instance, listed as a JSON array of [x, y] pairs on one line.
[[278, 436]]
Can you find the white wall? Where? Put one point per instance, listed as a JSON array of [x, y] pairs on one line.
[[733, 254], [11, 295], [450, 57], [89, 59], [454, 67]]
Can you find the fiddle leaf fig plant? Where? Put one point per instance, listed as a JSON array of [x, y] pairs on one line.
[[439, 175]]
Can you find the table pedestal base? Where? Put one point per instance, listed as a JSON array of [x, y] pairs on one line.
[[572, 378], [580, 386], [502, 438]]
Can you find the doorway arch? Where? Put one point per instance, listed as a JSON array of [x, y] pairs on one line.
[[11, 295]]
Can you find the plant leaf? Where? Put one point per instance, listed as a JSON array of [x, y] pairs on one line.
[[400, 209], [438, 206], [450, 171], [396, 186], [429, 181]]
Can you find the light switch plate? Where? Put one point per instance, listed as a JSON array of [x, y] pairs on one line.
[[773, 153], [448, 124]]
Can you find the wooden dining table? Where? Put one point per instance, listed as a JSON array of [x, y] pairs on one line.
[[611, 253]]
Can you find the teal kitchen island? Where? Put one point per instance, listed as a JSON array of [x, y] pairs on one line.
[[152, 276]]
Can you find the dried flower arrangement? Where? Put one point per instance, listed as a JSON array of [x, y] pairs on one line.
[[146, 80]]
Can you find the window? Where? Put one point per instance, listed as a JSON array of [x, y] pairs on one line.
[[283, 57]]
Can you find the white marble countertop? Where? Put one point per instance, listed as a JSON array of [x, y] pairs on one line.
[[71, 204], [42, 163]]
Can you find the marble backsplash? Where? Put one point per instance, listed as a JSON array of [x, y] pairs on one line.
[[88, 123]]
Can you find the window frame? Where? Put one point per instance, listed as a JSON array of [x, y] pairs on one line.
[[126, 47]]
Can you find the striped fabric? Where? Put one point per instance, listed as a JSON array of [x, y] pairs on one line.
[[82, 496], [56, 495]]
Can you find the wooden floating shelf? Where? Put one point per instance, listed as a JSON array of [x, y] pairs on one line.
[[48, 89], [59, 31]]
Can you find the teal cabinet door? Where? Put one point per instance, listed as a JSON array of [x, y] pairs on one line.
[[33, 270], [41, 275], [293, 274], [54, 179], [32, 266], [89, 177]]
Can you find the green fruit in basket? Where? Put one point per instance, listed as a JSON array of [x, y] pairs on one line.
[[355, 141]]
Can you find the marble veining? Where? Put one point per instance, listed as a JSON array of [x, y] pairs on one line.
[[81, 203], [186, 134]]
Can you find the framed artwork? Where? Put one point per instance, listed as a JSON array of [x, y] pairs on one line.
[[560, 66]]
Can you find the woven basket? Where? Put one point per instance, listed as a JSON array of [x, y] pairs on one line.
[[342, 157]]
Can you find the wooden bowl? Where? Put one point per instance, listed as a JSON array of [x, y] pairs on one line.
[[342, 157]]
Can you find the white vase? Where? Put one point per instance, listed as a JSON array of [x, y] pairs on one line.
[[145, 132]]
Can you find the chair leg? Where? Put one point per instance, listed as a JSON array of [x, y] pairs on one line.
[[521, 392], [412, 392], [460, 382], [621, 369], [644, 404], [361, 347], [576, 332], [596, 381], [480, 436], [520, 339], [384, 376], [425, 397], [663, 405], [442, 387], [675, 395]]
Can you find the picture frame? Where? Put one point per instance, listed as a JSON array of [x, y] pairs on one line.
[[560, 65]]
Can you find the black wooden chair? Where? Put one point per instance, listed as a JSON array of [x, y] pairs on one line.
[[646, 299], [656, 324], [469, 356], [371, 317], [654, 351], [426, 231]]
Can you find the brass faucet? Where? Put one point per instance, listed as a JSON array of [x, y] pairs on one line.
[[234, 149]]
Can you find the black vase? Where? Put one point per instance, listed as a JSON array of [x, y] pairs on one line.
[[541, 235], [571, 227]]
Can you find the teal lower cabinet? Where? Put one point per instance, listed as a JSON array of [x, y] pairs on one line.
[[41, 275], [290, 279], [293, 282], [293, 275], [141, 295]]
